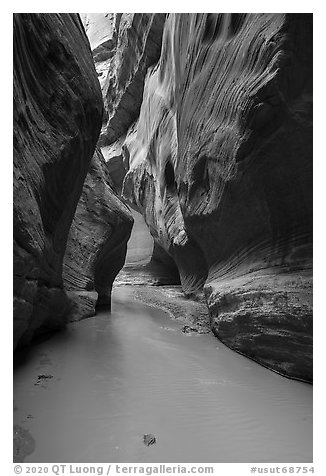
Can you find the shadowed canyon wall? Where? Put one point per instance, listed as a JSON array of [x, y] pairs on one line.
[[57, 119], [219, 162], [97, 243]]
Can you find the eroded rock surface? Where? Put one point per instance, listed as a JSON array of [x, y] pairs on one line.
[[57, 119], [124, 45], [220, 166], [97, 243], [146, 263]]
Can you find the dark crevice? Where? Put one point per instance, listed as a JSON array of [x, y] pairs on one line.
[[236, 22], [213, 27], [169, 177]]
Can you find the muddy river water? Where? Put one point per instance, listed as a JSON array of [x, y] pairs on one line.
[[91, 393], [117, 377]]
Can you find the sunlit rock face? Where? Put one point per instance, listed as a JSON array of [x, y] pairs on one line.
[[97, 243], [57, 119], [124, 45], [220, 165]]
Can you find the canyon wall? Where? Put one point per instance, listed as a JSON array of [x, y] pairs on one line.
[[124, 45], [57, 119], [220, 165], [97, 243]]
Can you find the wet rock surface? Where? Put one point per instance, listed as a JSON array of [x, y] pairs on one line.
[[192, 315], [57, 119]]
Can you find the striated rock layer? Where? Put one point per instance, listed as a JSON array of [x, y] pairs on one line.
[[124, 45], [57, 119], [220, 165], [97, 243]]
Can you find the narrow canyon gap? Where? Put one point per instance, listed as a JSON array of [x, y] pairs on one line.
[[135, 371], [163, 189]]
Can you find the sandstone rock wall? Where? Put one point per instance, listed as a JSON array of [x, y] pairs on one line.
[[57, 119], [220, 165], [124, 45], [97, 243]]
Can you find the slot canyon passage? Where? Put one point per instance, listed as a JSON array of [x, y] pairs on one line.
[[162, 237]]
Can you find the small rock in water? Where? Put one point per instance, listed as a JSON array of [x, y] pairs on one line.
[[188, 329], [42, 377], [149, 439]]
